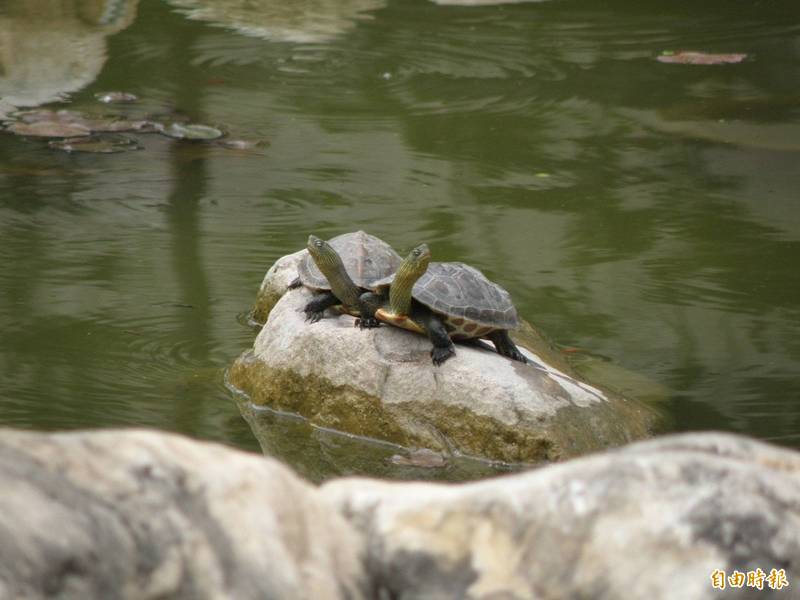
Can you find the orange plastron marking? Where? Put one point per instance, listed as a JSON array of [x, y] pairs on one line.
[[398, 320]]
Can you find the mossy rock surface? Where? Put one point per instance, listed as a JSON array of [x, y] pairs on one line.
[[380, 383]]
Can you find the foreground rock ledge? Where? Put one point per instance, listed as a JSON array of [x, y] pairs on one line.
[[380, 383], [143, 515], [651, 521]]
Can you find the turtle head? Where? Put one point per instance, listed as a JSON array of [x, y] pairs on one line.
[[416, 263], [326, 258], [412, 268]]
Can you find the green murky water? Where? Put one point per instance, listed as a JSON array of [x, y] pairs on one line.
[[641, 212]]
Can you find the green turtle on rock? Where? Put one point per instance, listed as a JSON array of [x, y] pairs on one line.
[[445, 301], [342, 269]]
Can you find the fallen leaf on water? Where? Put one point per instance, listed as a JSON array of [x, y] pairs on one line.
[[688, 57], [118, 124], [56, 129], [44, 114], [32, 121]]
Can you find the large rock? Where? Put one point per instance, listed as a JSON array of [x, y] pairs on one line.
[[380, 383], [138, 515], [652, 521], [144, 515]]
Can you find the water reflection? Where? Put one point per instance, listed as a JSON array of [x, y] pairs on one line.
[[50, 48], [308, 21]]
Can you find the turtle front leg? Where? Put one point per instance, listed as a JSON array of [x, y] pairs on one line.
[[443, 347], [317, 306], [505, 345], [368, 303]]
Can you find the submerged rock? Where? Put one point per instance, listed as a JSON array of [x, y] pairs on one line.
[[654, 520], [380, 383], [136, 514]]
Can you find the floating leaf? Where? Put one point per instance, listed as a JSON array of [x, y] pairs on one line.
[[699, 58], [240, 144], [116, 97], [101, 123], [192, 131], [119, 124], [96, 144], [54, 129]]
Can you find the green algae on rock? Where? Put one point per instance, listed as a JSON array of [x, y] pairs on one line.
[[380, 383]]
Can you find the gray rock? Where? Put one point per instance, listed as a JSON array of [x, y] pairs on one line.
[[138, 515], [275, 283], [144, 515], [652, 521], [381, 383]]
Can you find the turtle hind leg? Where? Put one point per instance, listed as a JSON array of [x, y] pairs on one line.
[[505, 346], [317, 306]]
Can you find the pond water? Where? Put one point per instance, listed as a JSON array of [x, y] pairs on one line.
[[642, 214]]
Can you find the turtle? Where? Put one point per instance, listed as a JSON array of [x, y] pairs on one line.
[[445, 301], [342, 269]]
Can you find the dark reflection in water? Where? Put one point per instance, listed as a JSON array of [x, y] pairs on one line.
[[642, 212]]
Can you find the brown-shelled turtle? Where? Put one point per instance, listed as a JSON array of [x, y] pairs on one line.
[[343, 269], [445, 301]]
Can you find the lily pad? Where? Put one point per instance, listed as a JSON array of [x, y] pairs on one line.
[[191, 131], [55, 129], [116, 97], [96, 144], [699, 58]]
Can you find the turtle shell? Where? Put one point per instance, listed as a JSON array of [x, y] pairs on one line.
[[366, 259], [462, 294]]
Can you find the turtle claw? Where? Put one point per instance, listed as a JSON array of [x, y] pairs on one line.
[[312, 316], [439, 354], [516, 355], [367, 323]]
